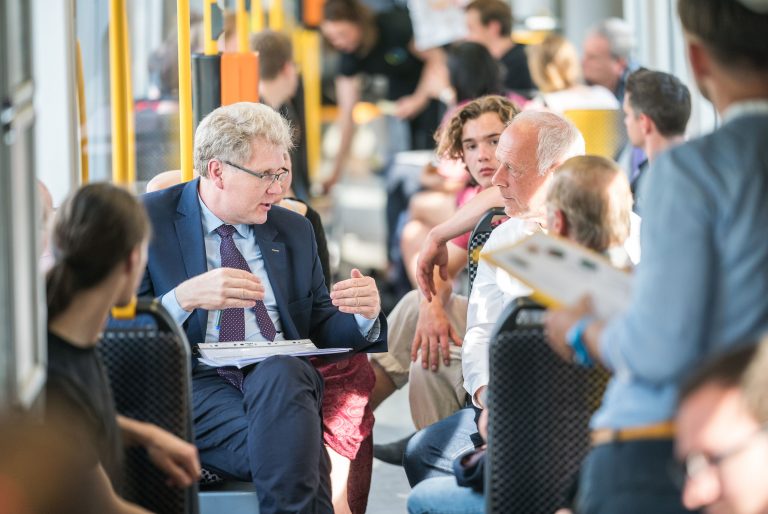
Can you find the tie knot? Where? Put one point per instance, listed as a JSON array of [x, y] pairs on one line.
[[225, 231]]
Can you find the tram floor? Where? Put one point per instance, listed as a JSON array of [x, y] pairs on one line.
[[389, 487]]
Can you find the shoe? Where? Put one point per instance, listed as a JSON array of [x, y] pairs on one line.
[[392, 453]]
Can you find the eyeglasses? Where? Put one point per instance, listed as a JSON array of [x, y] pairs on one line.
[[266, 179], [698, 462]]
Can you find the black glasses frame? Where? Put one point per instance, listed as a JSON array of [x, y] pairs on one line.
[[273, 177]]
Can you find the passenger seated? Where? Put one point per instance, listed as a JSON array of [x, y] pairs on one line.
[[589, 202], [100, 244], [608, 55], [445, 183], [347, 415], [425, 333], [522, 178], [657, 106], [229, 265], [555, 69]]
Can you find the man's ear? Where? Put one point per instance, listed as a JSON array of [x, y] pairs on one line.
[[216, 172], [699, 58], [559, 224], [646, 124], [133, 260]]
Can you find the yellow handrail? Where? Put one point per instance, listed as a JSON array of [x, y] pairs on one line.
[[310, 71], [130, 132], [117, 88], [257, 16], [210, 47], [185, 90], [276, 15], [82, 115], [241, 24]]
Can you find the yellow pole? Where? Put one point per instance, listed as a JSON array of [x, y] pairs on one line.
[[241, 23], [185, 90], [130, 133], [311, 74], [257, 16], [210, 47], [117, 92], [82, 115], [276, 15]]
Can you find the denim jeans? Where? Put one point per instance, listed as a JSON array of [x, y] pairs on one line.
[[431, 452], [443, 495], [632, 477]]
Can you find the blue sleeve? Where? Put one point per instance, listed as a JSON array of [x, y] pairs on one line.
[[662, 332]]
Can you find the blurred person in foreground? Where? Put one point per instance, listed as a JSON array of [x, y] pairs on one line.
[[722, 433], [701, 287]]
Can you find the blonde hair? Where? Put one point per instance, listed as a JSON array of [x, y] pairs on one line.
[[554, 64], [228, 133]]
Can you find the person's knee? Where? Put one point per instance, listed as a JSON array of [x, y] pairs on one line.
[[280, 373]]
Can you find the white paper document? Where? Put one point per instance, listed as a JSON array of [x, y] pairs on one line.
[[244, 353], [560, 272]]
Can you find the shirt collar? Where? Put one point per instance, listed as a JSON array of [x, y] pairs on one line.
[[745, 108], [211, 222]]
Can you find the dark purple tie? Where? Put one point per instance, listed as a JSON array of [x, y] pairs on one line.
[[232, 322]]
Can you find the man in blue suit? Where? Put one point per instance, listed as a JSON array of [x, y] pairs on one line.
[[230, 265]]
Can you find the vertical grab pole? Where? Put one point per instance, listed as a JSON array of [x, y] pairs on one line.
[[276, 16], [210, 47], [241, 23], [130, 133], [82, 115], [310, 69], [185, 90], [257, 16], [117, 92]]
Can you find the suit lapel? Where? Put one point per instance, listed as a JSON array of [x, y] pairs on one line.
[[276, 263], [189, 233]]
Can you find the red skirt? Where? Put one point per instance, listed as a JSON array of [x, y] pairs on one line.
[[348, 420]]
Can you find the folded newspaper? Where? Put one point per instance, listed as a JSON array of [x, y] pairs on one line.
[[244, 353]]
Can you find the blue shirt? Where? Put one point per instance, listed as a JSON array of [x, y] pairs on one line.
[[246, 243], [701, 286]]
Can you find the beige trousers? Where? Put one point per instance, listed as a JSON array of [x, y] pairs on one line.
[[433, 395]]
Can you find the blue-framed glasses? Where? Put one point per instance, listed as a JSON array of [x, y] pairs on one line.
[[266, 179]]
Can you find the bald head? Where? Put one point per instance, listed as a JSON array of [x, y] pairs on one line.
[[589, 201]]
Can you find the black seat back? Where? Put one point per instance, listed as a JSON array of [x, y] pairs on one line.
[[539, 411], [477, 239], [148, 362]]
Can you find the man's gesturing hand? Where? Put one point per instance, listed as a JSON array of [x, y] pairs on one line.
[[357, 295], [222, 288]]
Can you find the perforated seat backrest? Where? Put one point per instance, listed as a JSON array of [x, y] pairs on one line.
[[478, 238], [148, 363], [540, 408]]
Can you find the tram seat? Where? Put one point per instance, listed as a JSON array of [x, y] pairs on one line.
[[148, 362], [603, 130], [539, 411], [477, 239]]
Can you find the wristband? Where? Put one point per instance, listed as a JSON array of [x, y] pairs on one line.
[[575, 340]]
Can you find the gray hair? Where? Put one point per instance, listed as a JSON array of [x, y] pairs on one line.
[[593, 193], [228, 133], [620, 37], [558, 140]]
